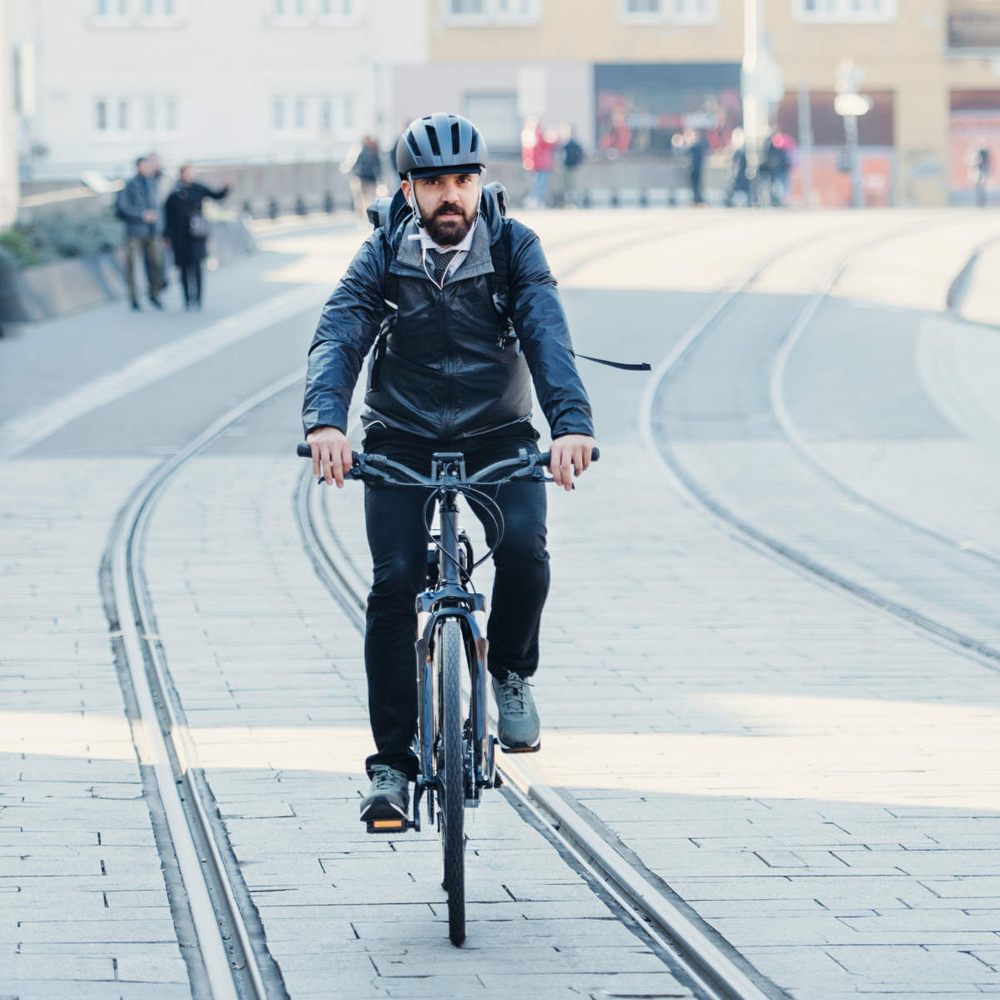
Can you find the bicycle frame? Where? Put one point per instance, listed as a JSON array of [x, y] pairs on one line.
[[451, 598]]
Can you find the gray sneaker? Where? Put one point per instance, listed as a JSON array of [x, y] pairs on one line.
[[518, 728], [388, 799]]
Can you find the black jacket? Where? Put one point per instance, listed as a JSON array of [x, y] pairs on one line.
[[184, 203], [443, 373]]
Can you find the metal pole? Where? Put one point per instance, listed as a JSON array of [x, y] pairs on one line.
[[753, 34], [805, 142], [851, 134]]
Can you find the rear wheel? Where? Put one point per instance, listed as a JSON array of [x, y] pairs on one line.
[[451, 775]]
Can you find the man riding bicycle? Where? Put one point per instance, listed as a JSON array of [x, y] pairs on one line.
[[467, 316]]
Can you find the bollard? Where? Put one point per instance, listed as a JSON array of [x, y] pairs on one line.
[[585, 200], [643, 198], [328, 203], [272, 208], [614, 197], [300, 206], [248, 208]]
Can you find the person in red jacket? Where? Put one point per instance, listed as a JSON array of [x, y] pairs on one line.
[[538, 157]]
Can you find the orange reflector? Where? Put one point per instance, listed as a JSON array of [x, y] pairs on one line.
[[388, 824]]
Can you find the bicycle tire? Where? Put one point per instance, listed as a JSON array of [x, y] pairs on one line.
[[451, 775]]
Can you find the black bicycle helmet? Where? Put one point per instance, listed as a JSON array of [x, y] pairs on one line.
[[440, 144]]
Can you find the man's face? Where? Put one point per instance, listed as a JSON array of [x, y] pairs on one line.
[[448, 205]]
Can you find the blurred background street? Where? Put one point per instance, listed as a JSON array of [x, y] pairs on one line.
[[769, 682]]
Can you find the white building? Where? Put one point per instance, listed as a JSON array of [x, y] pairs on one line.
[[253, 81], [8, 135]]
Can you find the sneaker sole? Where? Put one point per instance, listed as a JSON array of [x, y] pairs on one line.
[[382, 810], [522, 749]]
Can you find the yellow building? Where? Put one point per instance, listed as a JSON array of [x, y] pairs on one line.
[[632, 74]]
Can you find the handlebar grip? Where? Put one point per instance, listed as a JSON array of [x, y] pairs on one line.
[[546, 457], [304, 451]]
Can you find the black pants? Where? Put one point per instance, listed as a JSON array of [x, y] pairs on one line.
[[191, 282], [398, 541]]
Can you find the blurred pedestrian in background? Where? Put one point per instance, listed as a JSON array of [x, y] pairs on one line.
[[138, 207], [572, 157], [538, 157], [186, 230], [979, 170], [366, 170], [739, 183], [776, 165], [697, 150]]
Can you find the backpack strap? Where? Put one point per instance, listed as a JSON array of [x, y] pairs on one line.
[[390, 295], [498, 283]]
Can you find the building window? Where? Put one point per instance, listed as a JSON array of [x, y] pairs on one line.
[[288, 11], [172, 114], [844, 11], [123, 115], [337, 12], [490, 12], [108, 12], [101, 115], [495, 114], [278, 114], [300, 114], [668, 11]]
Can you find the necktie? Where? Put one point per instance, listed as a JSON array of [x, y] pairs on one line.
[[440, 259]]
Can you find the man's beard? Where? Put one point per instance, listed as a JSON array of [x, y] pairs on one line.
[[453, 231]]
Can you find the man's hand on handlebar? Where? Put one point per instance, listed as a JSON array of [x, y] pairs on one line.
[[331, 454], [570, 457]]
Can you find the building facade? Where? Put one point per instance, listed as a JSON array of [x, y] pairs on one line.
[[633, 74], [260, 81]]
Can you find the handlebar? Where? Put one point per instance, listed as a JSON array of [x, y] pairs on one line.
[[380, 468]]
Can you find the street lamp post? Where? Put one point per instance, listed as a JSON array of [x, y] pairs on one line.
[[851, 105]]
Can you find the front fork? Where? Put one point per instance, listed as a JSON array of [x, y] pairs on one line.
[[481, 770]]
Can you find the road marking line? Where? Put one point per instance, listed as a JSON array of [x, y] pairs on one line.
[[21, 433]]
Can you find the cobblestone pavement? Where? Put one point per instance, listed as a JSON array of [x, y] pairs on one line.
[[813, 779], [84, 910]]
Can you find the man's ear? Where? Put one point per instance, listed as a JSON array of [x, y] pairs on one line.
[[405, 185]]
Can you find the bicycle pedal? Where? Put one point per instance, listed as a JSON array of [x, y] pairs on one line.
[[400, 825], [534, 749]]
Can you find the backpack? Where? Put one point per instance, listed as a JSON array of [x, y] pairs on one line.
[[117, 207]]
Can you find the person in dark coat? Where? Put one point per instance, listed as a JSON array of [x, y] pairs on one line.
[[186, 231]]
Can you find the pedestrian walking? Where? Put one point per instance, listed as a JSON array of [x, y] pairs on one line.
[[538, 157], [572, 157], [979, 170], [366, 171], [137, 206], [739, 182], [186, 230], [697, 150]]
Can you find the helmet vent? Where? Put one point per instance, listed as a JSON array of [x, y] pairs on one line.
[[475, 141], [413, 144], [433, 137], [454, 138]]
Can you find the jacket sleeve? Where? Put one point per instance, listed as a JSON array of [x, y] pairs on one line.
[[541, 325], [346, 331], [130, 202]]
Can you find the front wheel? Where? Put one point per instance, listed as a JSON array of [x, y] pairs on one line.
[[451, 775]]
